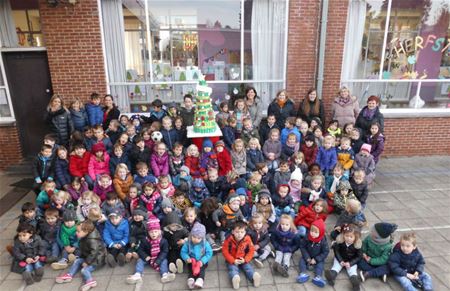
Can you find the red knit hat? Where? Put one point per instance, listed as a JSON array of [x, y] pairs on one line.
[[98, 147], [321, 226]]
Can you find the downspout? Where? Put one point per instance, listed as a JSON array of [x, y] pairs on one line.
[[323, 38]]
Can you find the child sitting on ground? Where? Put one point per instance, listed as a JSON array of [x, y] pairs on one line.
[[116, 235], [308, 214], [238, 250], [87, 201], [113, 204], [196, 253], [282, 201], [176, 234], [284, 243], [351, 215], [359, 186], [227, 215], [263, 206], [138, 232], [165, 187], [343, 194], [205, 214], [67, 241], [258, 231], [48, 231]]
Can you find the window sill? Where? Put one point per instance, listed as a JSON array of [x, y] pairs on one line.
[[415, 113], [7, 122]]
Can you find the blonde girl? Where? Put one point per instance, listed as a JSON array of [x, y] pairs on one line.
[[258, 231], [61, 201], [192, 161], [284, 242], [239, 157], [240, 113], [78, 115], [87, 201], [122, 181]]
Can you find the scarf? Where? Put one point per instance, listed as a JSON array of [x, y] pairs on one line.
[[230, 214], [335, 184], [154, 252], [369, 113], [150, 201], [281, 103], [343, 101], [134, 203], [85, 209], [314, 195]]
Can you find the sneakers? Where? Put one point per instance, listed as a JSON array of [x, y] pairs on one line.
[[52, 259], [302, 278], [191, 283], [256, 279], [121, 259], [179, 264], [59, 265], [319, 281], [134, 279], [64, 278], [235, 281], [384, 278], [362, 275], [38, 274], [199, 283], [355, 283], [167, 277], [283, 270], [111, 261], [330, 275], [172, 268], [258, 263], [88, 285], [28, 277], [71, 258]]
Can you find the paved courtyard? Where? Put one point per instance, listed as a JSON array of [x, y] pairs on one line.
[[412, 192]]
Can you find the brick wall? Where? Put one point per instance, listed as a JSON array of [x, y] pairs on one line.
[[73, 40], [10, 151]]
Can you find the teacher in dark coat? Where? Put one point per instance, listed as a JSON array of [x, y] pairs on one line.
[[282, 107], [369, 115], [110, 111], [58, 118], [311, 107]]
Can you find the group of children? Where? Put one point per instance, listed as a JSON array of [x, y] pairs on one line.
[[131, 194]]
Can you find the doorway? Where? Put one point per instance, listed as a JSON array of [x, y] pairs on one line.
[[31, 89]]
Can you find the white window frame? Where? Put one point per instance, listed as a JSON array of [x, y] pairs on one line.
[[402, 112], [12, 118], [242, 80]]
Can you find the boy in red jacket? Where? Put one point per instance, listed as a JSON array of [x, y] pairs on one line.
[[223, 158], [78, 163], [238, 251]]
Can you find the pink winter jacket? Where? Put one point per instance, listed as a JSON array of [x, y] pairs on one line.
[[345, 113], [97, 168], [159, 165]]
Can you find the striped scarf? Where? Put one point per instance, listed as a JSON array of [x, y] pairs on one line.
[[150, 201], [154, 252]]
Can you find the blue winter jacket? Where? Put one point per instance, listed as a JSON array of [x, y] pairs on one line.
[[114, 161], [254, 157], [327, 159], [170, 137], [94, 113], [311, 250], [228, 136], [286, 131], [201, 251], [116, 234], [401, 263], [62, 172], [79, 119], [284, 241]]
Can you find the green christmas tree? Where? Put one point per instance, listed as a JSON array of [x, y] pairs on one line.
[[204, 117]]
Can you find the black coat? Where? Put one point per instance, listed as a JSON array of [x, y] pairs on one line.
[[114, 113], [138, 232], [361, 191], [262, 239], [347, 254], [311, 250], [281, 113], [401, 263], [92, 249], [216, 188], [364, 123], [62, 172], [61, 124], [145, 250], [22, 251], [48, 232], [308, 116], [136, 155], [264, 131]]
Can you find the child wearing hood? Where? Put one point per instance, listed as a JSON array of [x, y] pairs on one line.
[[227, 215], [208, 158], [359, 186], [263, 206], [376, 248], [356, 139], [259, 233], [308, 214], [282, 201], [196, 253], [183, 181], [365, 161], [198, 192], [314, 250], [103, 186], [153, 251], [99, 161], [343, 193], [223, 158], [295, 185], [176, 234], [254, 185]]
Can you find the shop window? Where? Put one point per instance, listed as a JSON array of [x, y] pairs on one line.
[[406, 57]]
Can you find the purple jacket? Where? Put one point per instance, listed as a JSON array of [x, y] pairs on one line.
[[159, 165], [327, 159], [377, 148]]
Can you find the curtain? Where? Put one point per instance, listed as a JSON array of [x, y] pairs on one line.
[[267, 34], [352, 60], [114, 32], [133, 53], [8, 35]]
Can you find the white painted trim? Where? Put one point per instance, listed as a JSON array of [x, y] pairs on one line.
[[12, 118], [396, 81], [193, 82], [149, 41], [415, 112], [409, 190], [23, 49], [102, 33], [386, 30], [242, 40], [286, 33]]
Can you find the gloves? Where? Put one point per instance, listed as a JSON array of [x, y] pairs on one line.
[[287, 209]]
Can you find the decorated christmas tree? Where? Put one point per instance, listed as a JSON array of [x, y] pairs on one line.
[[204, 117]]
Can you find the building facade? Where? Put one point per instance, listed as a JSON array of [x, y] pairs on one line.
[[140, 50]]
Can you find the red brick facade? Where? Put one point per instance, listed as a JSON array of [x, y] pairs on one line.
[[73, 39], [10, 151]]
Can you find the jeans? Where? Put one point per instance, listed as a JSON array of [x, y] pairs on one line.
[[85, 271], [163, 267], [283, 258], [53, 249], [350, 271], [33, 266], [233, 270], [408, 286], [65, 254], [373, 271], [318, 267]]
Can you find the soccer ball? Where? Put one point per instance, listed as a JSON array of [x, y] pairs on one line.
[[157, 136]]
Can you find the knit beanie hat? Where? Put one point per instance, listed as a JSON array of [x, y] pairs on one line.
[[366, 148], [297, 175], [166, 203], [185, 169], [153, 224], [241, 192], [382, 231], [344, 185], [69, 215], [141, 212], [220, 143], [198, 230], [233, 198], [207, 143], [98, 147]]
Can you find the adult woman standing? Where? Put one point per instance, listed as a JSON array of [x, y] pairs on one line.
[[110, 111], [282, 107], [59, 120], [253, 105], [311, 107], [345, 107], [369, 115]]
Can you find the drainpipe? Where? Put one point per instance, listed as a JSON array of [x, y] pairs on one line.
[[323, 38]]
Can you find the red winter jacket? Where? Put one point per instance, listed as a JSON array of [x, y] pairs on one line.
[[193, 163], [224, 161], [78, 166], [306, 216], [310, 154]]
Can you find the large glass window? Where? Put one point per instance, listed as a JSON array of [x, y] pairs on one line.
[[404, 55], [232, 43]]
